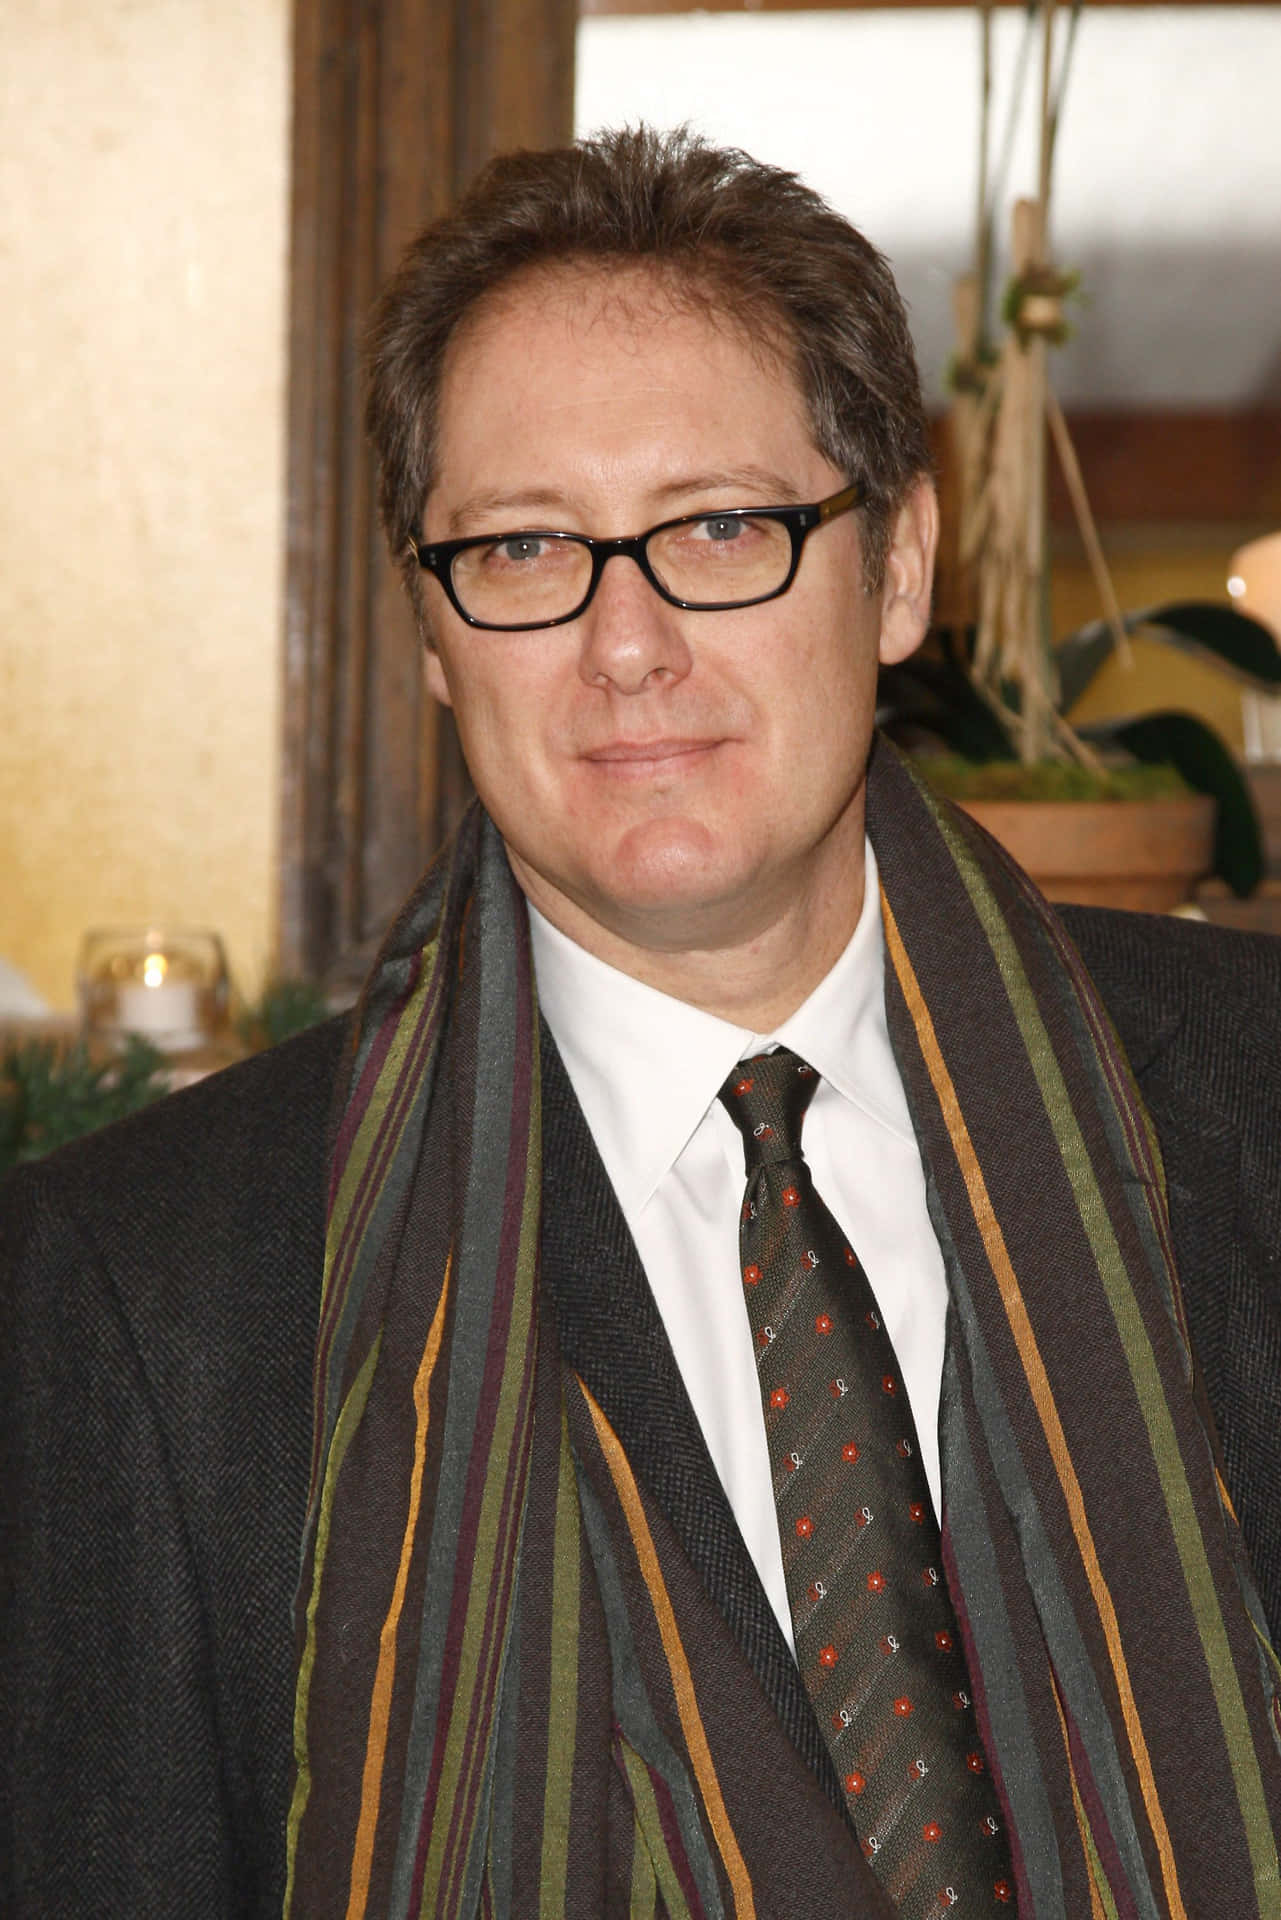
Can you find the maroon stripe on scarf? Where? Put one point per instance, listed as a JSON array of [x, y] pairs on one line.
[[675, 1845], [1100, 1832], [512, 1506], [385, 1143], [367, 1194], [480, 1723], [354, 1111]]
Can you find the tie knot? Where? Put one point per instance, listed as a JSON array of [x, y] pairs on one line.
[[766, 1099]]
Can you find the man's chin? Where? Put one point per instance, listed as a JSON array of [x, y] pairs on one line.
[[676, 908], [668, 885]]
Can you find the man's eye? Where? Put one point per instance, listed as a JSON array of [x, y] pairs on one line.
[[522, 546], [721, 527]]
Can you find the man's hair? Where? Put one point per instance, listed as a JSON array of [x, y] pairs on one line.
[[723, 231]]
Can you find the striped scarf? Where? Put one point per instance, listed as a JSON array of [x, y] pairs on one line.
[[510, 1697]]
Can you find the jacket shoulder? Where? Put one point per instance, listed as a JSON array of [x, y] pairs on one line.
[[261, 1120], [159, 1283], [198, 1223], [1217, 988]]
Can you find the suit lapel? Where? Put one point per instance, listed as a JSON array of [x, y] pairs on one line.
[[611, 1333]]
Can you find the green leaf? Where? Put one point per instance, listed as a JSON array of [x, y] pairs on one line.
[[1244, 647], [1230, 641], [1181, 740], [922, 694]]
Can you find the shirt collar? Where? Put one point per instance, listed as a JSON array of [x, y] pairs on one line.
[[646, 1067], [842, 1029]]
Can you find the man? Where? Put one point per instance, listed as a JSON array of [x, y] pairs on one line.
[[622, 1585]]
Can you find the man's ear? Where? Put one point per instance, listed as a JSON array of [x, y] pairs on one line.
[[909, 574], [434, 674], [433, 671]]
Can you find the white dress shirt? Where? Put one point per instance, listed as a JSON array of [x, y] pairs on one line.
[[647, 1069]]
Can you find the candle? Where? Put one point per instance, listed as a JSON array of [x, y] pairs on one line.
[[166, 1011]]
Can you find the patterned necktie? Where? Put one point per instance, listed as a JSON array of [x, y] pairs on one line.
[[876, 1636]]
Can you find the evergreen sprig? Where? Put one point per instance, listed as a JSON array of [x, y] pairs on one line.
[[51, 1092], [287, 1007]]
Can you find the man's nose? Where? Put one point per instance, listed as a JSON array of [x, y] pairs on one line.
[[630, 634]]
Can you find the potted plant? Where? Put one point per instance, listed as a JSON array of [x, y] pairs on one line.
[[1128, 812], [1149, 805]]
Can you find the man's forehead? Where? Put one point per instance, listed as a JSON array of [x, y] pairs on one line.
[[624, 300]]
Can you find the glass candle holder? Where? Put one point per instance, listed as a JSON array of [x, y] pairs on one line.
[[169, 985]]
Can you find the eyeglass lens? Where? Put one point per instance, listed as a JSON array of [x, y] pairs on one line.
[[531, 577]]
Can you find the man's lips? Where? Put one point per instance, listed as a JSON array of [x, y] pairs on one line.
[[641, 753]]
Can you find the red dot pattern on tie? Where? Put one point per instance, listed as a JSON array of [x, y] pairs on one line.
[[873, 1621]]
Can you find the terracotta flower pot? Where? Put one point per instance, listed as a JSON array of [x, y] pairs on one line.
[[1143, 854]]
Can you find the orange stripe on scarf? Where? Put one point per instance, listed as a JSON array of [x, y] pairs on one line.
[[384, 1678], [682, 1679], [1042, 1394]]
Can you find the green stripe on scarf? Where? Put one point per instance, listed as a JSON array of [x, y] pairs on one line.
[[1149, 1392], [346, 1426], [563, 1705], [650, 1841]]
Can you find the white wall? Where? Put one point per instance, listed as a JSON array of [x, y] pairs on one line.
[[1168, 177]]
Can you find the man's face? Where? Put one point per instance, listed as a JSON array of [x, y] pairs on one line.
[[670, 780]]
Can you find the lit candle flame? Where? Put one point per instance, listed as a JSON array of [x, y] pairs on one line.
[[154, 969]]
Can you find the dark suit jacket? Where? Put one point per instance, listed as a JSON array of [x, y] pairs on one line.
[[156, 1323]]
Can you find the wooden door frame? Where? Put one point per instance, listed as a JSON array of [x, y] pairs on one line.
[[396, 105]]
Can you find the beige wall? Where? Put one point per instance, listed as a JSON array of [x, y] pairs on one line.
[[143, 227]]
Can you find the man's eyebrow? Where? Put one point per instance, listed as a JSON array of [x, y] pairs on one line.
[[775, 487], [481, 506], [772, 488]]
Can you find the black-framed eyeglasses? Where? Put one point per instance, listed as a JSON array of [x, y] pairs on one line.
[[705, 562]]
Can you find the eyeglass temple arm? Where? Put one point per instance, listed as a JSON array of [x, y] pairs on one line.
[[851, 496]]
